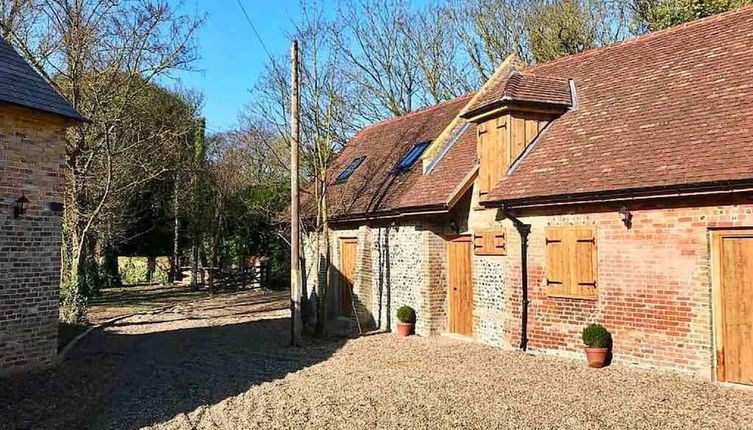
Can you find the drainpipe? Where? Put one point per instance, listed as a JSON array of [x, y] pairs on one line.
[[523, 230]]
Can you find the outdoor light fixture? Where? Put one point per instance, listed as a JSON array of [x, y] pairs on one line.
[[625, 216], [454, 226], [20, 207]]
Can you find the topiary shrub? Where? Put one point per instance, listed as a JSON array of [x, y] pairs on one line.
[[596, 336], [406, 314]]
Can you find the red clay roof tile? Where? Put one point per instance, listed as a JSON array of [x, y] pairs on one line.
[[373, 188], [665, 109], [522, 87]]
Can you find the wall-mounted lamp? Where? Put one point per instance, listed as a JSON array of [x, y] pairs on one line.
[[625, 216], [20, 207]]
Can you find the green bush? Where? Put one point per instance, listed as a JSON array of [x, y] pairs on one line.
[[596, 336], [406, 314], [135, 270]]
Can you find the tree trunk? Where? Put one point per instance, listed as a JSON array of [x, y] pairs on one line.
[[322, 287], [151, 266], [195, 266], [175, 274]]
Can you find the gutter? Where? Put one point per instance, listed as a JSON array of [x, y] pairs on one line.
[[631, 194], [523, 230]]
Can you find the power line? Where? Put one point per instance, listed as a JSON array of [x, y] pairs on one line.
[[253, 27]]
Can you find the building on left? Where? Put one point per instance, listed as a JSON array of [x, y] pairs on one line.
[[33, 122]]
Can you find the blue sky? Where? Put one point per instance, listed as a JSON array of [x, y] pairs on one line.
[[231, 55]]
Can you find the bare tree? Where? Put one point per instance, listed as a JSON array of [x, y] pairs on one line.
[[444, 71], [489, 31], [101, 54], [372, 37]]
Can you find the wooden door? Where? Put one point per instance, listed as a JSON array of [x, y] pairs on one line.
[[460, 285], [734, 305], [347, 273]]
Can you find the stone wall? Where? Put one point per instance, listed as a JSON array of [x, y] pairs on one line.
[[31, 162], [396, 265]]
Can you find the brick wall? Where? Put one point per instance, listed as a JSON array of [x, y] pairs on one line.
[[654, 284], [31, 161]]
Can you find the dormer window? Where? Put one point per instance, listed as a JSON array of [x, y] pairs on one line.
[[411, 156], [509, 117], [345, 174]]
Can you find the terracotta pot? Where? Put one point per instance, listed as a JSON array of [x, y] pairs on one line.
[[596, 357], [404, 329]]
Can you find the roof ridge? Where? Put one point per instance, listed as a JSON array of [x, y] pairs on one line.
[[643, 37]]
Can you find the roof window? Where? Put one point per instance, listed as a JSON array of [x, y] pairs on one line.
[[412, 155], [345, 174]]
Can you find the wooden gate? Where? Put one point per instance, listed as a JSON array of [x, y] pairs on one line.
[[732, 252], [348, 248], [460, 285]]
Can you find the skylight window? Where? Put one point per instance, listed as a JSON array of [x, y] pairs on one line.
[[412, 155], [345, 174]]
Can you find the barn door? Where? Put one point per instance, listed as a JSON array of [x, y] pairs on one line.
[[347, 273], [460, 285], [733, 305]]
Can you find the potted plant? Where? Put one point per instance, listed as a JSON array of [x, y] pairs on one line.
[[406, 317], [597, 340]]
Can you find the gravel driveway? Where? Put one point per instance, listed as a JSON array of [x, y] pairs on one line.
[[223, 363]]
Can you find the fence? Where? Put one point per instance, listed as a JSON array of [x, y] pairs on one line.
[[254, 274]]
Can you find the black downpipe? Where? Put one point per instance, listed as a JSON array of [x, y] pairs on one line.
[[523, 230]]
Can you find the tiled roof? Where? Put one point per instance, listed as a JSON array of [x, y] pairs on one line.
[[438, 185], [522, 87], [20, 84], [373, 188], [670, 108]]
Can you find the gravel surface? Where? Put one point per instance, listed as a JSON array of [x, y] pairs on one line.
[[385, 382], [224, 363]]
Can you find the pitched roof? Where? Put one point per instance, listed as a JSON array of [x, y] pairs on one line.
[[21, 85], [665, 109], [374, 188], [439, 185], [521, 87]]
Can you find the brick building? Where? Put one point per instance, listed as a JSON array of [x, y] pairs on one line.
[[33, 120], [612, 186]]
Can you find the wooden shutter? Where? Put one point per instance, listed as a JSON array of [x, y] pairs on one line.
[[489, 242], [492, 152], [558, 257], [571, 261], [584, 264]]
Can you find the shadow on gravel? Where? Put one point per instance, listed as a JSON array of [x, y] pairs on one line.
[[122, 381]]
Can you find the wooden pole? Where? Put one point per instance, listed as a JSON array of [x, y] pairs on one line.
[[295, 240]]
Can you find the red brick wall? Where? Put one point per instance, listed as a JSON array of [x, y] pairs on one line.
[[31, 161], [654, 284]]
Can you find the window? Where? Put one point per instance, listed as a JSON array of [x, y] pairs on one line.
[[489, 242], [345, 174], [571, 261], [412, 155]]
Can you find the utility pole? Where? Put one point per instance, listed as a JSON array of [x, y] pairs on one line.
[[295, 240]]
